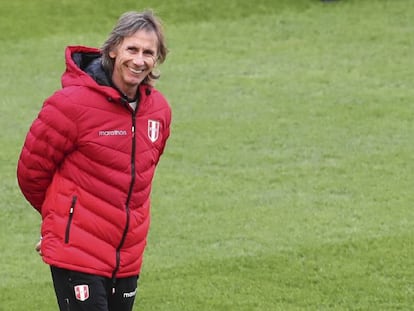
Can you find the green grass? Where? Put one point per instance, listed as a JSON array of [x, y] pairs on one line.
[[287, 182]]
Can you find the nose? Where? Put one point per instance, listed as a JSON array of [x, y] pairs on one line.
[[139, 59]]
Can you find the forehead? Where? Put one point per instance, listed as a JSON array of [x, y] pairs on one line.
[[141, 39]]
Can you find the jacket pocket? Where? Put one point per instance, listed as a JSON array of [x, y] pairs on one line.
[[68, 225]]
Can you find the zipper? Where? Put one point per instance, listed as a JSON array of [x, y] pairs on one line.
[[128, 200], [71, 210]]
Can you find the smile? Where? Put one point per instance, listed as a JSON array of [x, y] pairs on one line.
[[135, 71]]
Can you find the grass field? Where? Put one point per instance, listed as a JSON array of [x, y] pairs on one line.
[[287, 181]]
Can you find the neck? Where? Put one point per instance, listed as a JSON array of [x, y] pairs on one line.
[[130, 93]]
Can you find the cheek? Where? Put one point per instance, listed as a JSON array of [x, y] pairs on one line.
[[151, 62], [118, 64]]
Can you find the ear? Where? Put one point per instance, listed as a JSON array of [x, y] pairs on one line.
[[112, 54]]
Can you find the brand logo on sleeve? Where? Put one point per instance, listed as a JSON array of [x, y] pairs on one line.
[[81, 292], [153, 130]]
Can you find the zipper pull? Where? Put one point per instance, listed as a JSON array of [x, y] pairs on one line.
[[72, 206]]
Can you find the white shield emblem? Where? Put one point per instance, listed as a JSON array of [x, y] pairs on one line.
[[82, 292], [153, 130]]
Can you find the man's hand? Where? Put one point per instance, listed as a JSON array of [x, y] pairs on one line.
[[38, 247]]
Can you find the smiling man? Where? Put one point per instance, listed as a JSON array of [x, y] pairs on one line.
[[88, 162], [134, 58]]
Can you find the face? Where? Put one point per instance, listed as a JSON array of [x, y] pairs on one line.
[[135, 58]]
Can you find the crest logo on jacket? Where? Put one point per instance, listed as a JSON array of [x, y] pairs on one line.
[[153, 130], [81, 292]]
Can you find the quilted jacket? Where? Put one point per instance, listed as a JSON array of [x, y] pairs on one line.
[[87, 166]]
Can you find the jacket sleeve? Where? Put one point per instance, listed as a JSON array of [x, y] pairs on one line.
[[51, 137], [167, 130]]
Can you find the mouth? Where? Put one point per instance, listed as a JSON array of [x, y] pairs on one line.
[[136, 71]]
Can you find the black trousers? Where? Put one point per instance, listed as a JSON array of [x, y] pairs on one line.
[[77, 291]]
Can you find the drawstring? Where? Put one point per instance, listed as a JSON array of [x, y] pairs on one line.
[[113, 285]]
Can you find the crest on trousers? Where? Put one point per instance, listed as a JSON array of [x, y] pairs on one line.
[[153, 130], [81, 292]]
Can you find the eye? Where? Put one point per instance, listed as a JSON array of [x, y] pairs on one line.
[[149, 52], [132, 49]]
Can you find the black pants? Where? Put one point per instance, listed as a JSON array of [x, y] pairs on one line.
[[77, 291]]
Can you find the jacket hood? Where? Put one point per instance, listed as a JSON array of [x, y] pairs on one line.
[[84, 68]]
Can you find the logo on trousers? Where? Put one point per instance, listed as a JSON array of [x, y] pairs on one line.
[[130, 294], [81, 292], [153, 130]]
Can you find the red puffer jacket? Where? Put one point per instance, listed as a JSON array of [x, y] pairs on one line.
[[87, 166]]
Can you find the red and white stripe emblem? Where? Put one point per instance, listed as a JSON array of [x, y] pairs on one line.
[[82, 292], [153, 130]]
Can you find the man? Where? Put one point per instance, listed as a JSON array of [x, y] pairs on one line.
[[88, 162]]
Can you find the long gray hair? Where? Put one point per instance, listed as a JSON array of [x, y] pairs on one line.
[[128, 24]]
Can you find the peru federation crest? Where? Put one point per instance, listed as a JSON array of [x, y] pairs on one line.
[[153, 130], [81, 292]]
